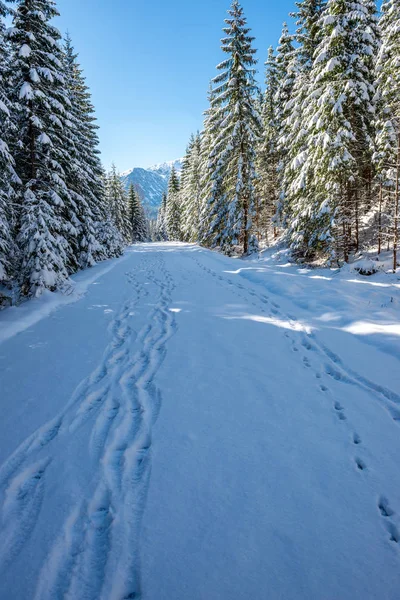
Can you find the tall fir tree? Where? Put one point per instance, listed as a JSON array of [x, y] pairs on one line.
[[41, 154], [294, 135], [173, 209], [208, 137], [118, 203], [137, 217], [337, 119], [387, 155], [191, 191], [267, 184], [88, 176], [237, 126], [161, 225], [286, 72], [8, 176]]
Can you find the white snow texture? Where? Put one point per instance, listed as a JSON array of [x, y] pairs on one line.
[[187, 426]]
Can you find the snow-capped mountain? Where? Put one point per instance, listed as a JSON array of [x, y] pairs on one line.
[[164, 169], [151, 183]]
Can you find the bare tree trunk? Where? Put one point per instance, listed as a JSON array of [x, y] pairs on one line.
[[357, 217], [246, 220], [346, 224], [396, 206], [380, 220], [258, 219]]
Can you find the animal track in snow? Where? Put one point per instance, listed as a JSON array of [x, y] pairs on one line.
[[384, 507], [360, 464]]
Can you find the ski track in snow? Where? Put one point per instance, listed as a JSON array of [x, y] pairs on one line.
[[97, 552], [330, 365]]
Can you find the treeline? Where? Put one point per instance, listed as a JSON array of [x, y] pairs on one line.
[[316, 158], [126, 209], [58, 211]]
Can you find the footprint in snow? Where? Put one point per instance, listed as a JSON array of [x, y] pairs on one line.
[[393, 532], [384, 507], [360, 464], [339, 409]]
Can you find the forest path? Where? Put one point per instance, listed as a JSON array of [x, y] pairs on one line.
[[186, 430]]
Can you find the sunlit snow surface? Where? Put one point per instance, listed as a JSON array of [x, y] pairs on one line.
[[185, 426]]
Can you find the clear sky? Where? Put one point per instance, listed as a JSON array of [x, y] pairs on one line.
[[148, 64]]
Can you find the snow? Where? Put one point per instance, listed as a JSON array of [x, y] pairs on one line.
[[25, 51], [26, 91], [189, 426]]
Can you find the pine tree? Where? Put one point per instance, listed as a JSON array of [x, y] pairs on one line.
[[338, 123], [237, 126], [8, 175], [173, 211], [40, 152], [118, 204], [294, 136], [387, 156], [191, 191], [161, 225], [267, 184], [82, 180], [208, 139], [286, 71], [90, 183], [137, 217]]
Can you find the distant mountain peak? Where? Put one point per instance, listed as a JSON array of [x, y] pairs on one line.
[[165, 168], [151, 183]]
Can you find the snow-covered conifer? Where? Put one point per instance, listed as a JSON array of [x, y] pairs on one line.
[[286, 71], [294, 135], [173, 210], [161, 225], [118, 203], [40, 102], [267, 184], [191, 191], [8, 176], [387, 156], [137, 217], [237, 127], [337, 119]]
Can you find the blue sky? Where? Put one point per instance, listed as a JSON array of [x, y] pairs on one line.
[[148, 64]]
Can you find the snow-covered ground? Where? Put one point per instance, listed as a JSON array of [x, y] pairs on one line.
[[185, 426]]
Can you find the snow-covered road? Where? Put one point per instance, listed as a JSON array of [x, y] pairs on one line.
[[195, 427]]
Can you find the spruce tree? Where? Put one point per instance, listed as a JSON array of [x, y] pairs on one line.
[[267, 184], [294, 136], [8, 175], [208, 138], [118, 204], [173, 210], [387, 156], [137, 217], [87, 175], [237, 126], [41, 154], [80, 178], [191, 191], [161, 225], [338, 121], [286, 70]]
